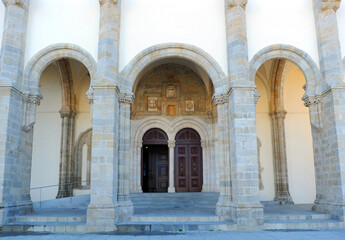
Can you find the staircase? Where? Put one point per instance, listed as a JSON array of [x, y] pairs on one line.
[[175, 212], [287, 217]]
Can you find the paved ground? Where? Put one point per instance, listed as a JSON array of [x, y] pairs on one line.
[[264, 235]]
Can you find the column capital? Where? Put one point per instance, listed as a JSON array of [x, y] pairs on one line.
[[101, 2], [126, 98], [235, 3], [278, 114], [171, 143], [220, 99], [18, 3], [66, 112], [139, 144], [326, 5], [308, 101], [204, 144], [32, 98]]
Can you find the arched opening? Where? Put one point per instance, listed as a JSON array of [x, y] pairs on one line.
[[64, 113], [155, 161], [188, 161], [284, 129], [176, 91]]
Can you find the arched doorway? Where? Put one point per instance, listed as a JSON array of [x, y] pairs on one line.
[[155, 161], [188, 161]]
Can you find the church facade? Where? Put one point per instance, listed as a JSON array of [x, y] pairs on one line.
[[108, 98]]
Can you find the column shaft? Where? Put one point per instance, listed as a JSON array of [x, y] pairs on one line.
[[282, 193], [171, 145]]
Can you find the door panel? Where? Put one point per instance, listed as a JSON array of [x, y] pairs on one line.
[[188, 168]]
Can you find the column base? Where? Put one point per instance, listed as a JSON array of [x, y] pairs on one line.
[[336, 210], [63, 194], [224, 207], [101, 215], [284, 200], [171, 190], [9, 211], [124, 211], [248, 216]]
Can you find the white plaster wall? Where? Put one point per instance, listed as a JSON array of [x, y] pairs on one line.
[[299, 148], [341, 26], [47, 136], [62, 21], [263, 130], [150, 22], [281, 22], [81, 83]]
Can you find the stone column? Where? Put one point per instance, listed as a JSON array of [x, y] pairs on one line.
[[246, 209], [102, 210], [67, 137], [15, 149], [171, 145], [282, 193], [329, 138], [206, 167], [137, 163], [224, 204], [125, 206]]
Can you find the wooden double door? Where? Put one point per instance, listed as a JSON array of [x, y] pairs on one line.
[[156, 168], [187, 163]]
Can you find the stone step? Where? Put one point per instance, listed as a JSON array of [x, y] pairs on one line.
[[175, 219], [303, 224], [31, 219], [297, 217], [175, 226]]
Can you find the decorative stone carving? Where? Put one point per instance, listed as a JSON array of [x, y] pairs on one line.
[[171, 143], [66, 112], [234, 3], [30, 102], [315, 106], [101, 2], [326, 5], [19, 3], [171, 92], [126, 98], [220, 99], [256, 96], [189, 106], [152, 103]]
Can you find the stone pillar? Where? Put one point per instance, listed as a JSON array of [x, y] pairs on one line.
[[171, 145], [102, 210], [137, 162], [246, 209], [329, 137], [224, 204], [15, 107], [282, 194], [125, 206], [67, 140], [207, 169]]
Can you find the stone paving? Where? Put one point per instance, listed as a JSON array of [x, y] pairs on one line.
[[266, 235]]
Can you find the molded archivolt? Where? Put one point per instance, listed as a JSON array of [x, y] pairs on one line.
[[171, 128], [301, 59], [43, 58], [130, 73]]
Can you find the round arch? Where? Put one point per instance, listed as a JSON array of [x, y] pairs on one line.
[[171, 128], [130, 73], [46, 56], [295, 55]]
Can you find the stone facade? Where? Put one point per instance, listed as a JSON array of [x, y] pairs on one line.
[[171, 86]]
